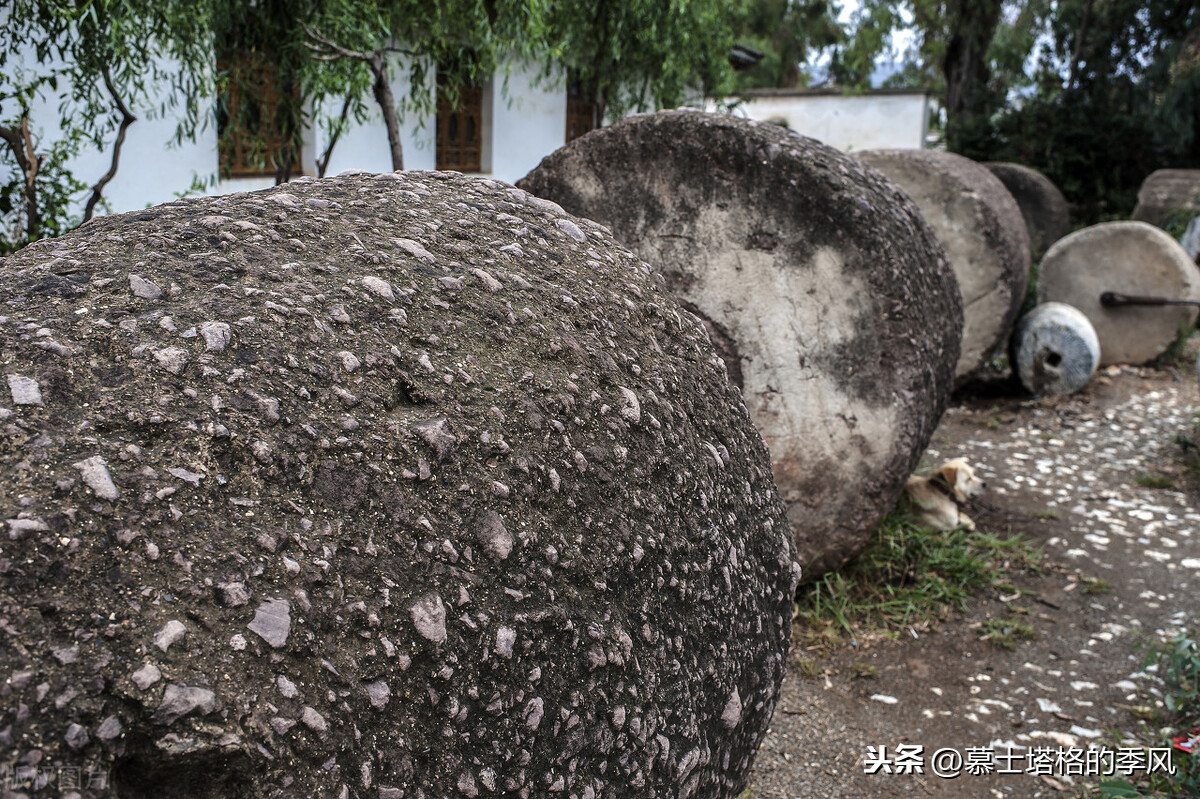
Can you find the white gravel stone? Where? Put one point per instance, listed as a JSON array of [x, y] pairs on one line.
[[173, 359], [146, 676], [429, 617], [94, 472], [273, 622], [24, 390], [170, 633], [379, 287], [146, 289], [217, 335]]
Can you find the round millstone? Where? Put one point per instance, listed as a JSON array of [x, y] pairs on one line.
[[1165, 193], [1056, 349], [980, 225], [444, 493], [1045, 210], [827, 295], [1130, 258]]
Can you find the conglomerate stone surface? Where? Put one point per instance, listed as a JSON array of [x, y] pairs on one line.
[[828, 296], [405, 485]]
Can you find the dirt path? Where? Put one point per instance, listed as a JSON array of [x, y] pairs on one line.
[[1065, 475]]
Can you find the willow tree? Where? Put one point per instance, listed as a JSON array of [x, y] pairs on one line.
[[645, 54], [75, 75], [371, 41], [968, 51], [787, 32]]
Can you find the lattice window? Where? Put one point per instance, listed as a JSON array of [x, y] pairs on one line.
[[459, 127], [250, 120], [581, 110]]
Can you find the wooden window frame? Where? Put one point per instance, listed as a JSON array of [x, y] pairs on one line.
[[581, 110], [250, 153], [460, 126]]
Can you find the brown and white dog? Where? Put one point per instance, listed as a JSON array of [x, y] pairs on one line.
[[935, 499]]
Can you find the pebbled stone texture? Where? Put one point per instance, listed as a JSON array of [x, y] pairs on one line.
[[385, 522], [828, 296]]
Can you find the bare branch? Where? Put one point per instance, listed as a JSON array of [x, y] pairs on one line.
[[323, 161], [127, 119], [327, 47]]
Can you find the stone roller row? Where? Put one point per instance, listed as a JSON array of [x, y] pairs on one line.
[[800, 260], [823, 285], [1117, 292], [823, 289]]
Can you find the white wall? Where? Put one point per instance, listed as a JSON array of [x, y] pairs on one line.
[[529, 120], [525, 120], [151, 170], [878, 119]]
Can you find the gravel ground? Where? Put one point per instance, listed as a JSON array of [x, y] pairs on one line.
[[1065, 474]]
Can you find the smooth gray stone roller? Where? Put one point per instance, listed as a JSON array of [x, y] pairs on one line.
[[1056, 349]]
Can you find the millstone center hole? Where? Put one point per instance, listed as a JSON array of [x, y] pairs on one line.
[[1053, 359]]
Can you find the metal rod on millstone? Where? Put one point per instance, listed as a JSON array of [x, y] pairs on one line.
[[1111, 299]]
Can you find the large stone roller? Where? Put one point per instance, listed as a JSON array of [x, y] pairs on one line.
[[407, 485], [826, 293], [985, 236]]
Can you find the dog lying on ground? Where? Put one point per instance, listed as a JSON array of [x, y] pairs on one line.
[[935, 499]]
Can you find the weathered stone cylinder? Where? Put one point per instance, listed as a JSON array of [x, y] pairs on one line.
[[1165, 193], [1134, 259], [380, 486], [1056, 349], [826, 294], [981, 227], [1045, 210]]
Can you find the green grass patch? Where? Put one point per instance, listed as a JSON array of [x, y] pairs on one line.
[[1175, 355], [1189, 450], [1096, 585], [1177, 663], [908, 574], [1154, 481], [1006, 633], [807, 668], [1030, 300], [861, 671]]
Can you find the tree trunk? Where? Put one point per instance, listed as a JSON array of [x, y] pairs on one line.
[[127, 119], [20, 143], [387, 104], [1080, 38], [293, 138], [972, 26], [323, 161]]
